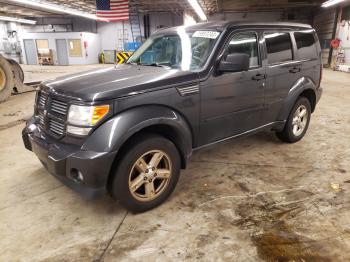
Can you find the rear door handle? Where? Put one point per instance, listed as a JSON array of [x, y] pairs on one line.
[[258, 77], [295, 70]]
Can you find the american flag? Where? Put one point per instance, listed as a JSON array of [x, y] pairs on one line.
[[112, 10]]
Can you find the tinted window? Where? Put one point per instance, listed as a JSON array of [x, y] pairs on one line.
[[279, 47], [306, 44], [245, 43]]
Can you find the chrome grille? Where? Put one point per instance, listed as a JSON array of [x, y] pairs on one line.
[[56, 127], [51, 113], [42, 98], [59, 107], [41, 119]]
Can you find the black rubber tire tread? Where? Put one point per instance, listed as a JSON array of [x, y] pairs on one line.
[[119, 187], [17, 68], [8, 70], [286, 135]]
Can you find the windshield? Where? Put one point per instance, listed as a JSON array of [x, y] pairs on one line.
[[181, 50]]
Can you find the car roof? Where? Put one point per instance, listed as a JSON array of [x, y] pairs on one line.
[[222, 25]]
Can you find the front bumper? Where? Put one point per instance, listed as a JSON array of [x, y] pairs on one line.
[[65, 161]]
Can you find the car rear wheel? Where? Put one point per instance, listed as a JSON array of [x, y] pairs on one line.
[[147, 173], [297, 123]]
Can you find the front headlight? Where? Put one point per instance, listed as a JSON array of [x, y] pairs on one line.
[[81, 118]]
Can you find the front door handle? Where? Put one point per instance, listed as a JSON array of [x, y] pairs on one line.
[[258, 77], [295, 70]]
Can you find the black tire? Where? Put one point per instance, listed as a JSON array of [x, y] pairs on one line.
[[287, 134], [119, 187], [18, 69], [18, 76], [7, 79]]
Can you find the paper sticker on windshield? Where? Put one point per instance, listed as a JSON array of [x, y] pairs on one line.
[[206, 34]]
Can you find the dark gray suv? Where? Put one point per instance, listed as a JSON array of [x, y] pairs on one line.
[[129, 129]]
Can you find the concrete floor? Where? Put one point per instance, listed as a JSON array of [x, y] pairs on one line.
[[250, 199]]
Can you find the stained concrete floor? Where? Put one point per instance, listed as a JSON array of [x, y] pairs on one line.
[[251, 199]]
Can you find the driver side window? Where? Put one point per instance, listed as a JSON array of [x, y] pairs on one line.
[[244, 43]]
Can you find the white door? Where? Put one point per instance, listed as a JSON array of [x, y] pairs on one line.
[[62, 53], [31, 53]]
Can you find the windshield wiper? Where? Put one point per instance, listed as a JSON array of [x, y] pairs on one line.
[[164, 65]]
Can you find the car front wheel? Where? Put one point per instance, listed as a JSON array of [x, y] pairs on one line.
[[147, 173]]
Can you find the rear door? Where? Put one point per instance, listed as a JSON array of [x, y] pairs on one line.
[[233, 102], [283, 69], [309, 54]]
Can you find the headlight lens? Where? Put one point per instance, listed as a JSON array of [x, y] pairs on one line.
[[86, 115], [80, 131]]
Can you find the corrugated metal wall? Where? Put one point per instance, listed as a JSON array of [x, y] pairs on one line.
[[324, 20]]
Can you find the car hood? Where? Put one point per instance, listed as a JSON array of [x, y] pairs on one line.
[[117, 81]]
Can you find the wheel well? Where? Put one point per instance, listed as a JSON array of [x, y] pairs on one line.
[[311, 96], [162, 130], [169, 133]]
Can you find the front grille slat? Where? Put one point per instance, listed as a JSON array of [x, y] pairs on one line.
[[51, 113], [41, 119], [56, 124], [56, 127], [42, 98], [59, 107]]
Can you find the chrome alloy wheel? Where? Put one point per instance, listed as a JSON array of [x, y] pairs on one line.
[[150, 175], [2, 79], [300, 119]]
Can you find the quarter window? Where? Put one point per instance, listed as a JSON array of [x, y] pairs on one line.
[[279, 47], [306, 44], [246, 43]]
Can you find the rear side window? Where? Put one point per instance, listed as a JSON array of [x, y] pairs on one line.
[[279, 47], [306, 45]]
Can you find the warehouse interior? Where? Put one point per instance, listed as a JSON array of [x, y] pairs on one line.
[[248, 199]]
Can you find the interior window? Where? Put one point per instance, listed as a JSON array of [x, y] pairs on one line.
[[306, 44], [279, 47], [246, 43]]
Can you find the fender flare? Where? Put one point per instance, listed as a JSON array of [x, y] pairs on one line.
[[111, 135], [300, 86]]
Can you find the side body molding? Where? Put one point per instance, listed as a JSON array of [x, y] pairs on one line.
[[111, 135], [303, 84]]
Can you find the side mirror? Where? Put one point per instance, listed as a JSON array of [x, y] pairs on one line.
[[236, 62]]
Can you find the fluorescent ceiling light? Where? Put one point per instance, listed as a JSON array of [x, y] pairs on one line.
[[18, 20], [331, 2], [57, 8], [198, 9]]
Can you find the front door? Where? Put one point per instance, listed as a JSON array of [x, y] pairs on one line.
[[233, 102]]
